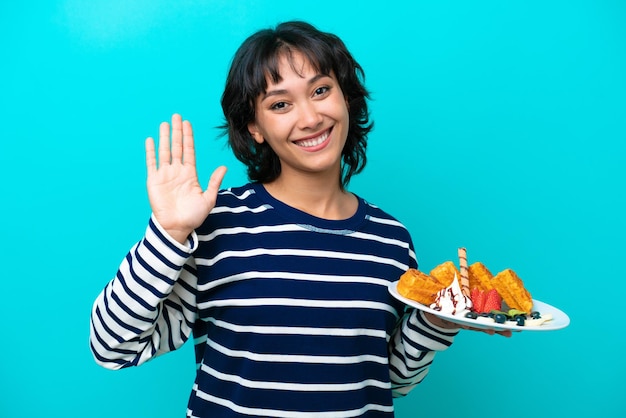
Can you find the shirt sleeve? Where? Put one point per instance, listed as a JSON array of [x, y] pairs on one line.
[[149, 307], [412, 349]]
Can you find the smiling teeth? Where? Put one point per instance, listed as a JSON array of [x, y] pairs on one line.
[[313, 141]]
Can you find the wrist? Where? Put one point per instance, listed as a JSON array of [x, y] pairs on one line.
[[439, 322], [178, 235]]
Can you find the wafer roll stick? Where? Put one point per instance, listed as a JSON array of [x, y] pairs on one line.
[[464, 272]]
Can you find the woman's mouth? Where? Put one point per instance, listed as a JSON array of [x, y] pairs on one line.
[[315, 141]]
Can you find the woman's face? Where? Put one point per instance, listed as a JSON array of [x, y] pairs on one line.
[[303, 118]]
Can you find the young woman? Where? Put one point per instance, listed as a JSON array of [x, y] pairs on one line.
[[282, 282]]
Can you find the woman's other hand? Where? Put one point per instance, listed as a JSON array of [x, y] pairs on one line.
[[442, 323]]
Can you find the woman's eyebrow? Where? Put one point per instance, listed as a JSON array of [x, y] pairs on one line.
[[316, 77], [278, 92]]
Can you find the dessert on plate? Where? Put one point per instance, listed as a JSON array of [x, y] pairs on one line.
[[472, 292]]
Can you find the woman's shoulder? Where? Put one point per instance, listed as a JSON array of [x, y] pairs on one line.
[[237, 193], [239, 196], [374, 210], [233, 205], [384, 219]]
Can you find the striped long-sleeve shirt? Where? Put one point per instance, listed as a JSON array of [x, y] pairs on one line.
[[290, 314]]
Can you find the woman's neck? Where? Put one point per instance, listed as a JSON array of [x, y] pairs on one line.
[[320, 197]]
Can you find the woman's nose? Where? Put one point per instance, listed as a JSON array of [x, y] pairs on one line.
[[309, 117]]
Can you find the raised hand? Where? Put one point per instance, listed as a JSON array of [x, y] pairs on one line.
[[176, 197]]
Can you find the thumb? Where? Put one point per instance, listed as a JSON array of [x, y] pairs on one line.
[[214, 183]]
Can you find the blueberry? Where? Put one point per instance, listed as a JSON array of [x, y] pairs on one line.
[[521, 320], [500, 318], [535, 315], [471, 315]]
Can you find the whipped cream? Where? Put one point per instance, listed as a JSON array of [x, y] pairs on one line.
[[451, 300]]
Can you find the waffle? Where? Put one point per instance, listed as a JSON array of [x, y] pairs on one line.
[[480, 277], [419, 286], [512, 290], [444, 273]]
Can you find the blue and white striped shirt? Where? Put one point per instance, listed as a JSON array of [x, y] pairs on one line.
[[290, 314]]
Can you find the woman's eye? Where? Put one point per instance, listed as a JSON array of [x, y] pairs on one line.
[[321, 90], [278, 106]]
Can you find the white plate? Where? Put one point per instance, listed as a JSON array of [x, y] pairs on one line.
[[559, 318]]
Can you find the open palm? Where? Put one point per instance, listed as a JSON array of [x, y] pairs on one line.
[[177, 200]]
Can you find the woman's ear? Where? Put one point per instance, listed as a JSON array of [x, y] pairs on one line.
[[256, 135]]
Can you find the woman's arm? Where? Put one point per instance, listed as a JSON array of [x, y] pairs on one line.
[[418, 338], [412, 349], [149, 307]]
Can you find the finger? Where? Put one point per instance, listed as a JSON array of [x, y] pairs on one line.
[[214, 184], [151, 162], [164, 144], [189, 153], [177, 138]]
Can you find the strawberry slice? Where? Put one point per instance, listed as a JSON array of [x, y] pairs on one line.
[[478, 299], [493, 301]]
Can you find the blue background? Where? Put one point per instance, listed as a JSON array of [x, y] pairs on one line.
[[500, 126]]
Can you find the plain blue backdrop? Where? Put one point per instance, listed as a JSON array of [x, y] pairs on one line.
[[500, 126]]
